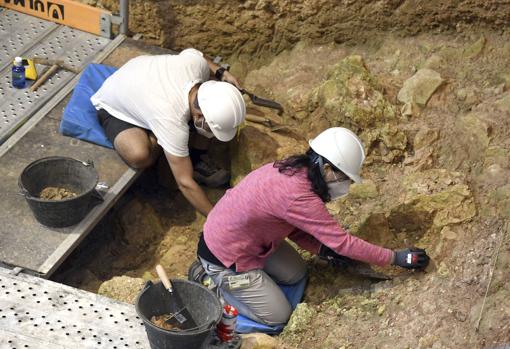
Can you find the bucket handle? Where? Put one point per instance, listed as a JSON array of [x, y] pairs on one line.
[[88, 163], [147, 285], [22, 190], [96, 194]]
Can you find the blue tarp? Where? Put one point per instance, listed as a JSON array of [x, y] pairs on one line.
[[294, 294], [80, 116]]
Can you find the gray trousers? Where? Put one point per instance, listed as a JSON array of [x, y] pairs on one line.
[[255, 293]]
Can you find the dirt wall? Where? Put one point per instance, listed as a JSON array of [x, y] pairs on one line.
[[252, 29]]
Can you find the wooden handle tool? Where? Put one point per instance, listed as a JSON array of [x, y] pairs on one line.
[[164, 278], [42, 79]]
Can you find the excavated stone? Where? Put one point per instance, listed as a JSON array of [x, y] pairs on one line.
[[299, 318], [424, 154], [259, 341], [365, 190], [434, 199], [387, 143], [420, 87], [351, 97], [122, 288], [410, 109], [449, 234]]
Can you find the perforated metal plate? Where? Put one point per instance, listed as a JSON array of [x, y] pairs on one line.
[[37, 313], [75, 47], [19, 32]]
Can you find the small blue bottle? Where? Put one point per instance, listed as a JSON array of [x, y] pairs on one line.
[[18, 73]]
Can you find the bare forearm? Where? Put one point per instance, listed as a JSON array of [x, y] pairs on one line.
[[197, 198], [212, 66], [225, 76]]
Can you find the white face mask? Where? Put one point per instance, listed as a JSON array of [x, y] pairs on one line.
[[202, 131], [338, 189]]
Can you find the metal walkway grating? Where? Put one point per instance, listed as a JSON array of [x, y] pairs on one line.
[[27, 36], [37, 313], [18, 31]]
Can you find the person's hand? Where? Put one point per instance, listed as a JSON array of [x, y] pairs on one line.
[[334, 258], [228, 77], [411, 258]]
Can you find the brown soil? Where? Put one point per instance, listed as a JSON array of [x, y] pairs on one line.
[[162, 322], [56, 193]]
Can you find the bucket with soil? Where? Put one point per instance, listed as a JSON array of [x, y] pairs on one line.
[[60, 191], [202, 303]]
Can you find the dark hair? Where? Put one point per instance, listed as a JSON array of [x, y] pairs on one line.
[[291, 165]]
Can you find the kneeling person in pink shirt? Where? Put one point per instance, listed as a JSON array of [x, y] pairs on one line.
[[243, 247]]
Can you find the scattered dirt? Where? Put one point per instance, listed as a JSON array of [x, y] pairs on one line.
[[56, 193]]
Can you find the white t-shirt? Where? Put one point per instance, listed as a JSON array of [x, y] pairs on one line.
[[152, 92]]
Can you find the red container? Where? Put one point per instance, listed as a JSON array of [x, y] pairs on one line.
[[227, 325]]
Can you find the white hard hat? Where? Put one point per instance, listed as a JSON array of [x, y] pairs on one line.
[[223, 107], [342, 148]]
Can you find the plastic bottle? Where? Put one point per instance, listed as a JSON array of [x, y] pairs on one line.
[[18, 73]]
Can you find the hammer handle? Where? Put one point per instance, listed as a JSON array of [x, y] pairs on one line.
[[42, 79]]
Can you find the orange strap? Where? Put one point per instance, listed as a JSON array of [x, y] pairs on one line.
[[66, 12]]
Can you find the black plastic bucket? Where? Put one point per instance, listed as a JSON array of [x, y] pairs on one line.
[[56, 171], [203, 305]]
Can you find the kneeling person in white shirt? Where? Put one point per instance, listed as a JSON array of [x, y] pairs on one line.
[[152, 101]]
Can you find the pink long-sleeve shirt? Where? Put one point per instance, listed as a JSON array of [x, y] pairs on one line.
[[253, 218]]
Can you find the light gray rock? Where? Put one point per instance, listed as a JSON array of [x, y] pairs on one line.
[[420, 87]]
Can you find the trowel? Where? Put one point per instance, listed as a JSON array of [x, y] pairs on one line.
[[365, 270], [359, 268], [180, 316], [263, 102]]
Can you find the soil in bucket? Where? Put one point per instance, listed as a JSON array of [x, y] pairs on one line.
[[56, 193], [160, 321], [60, 191]]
